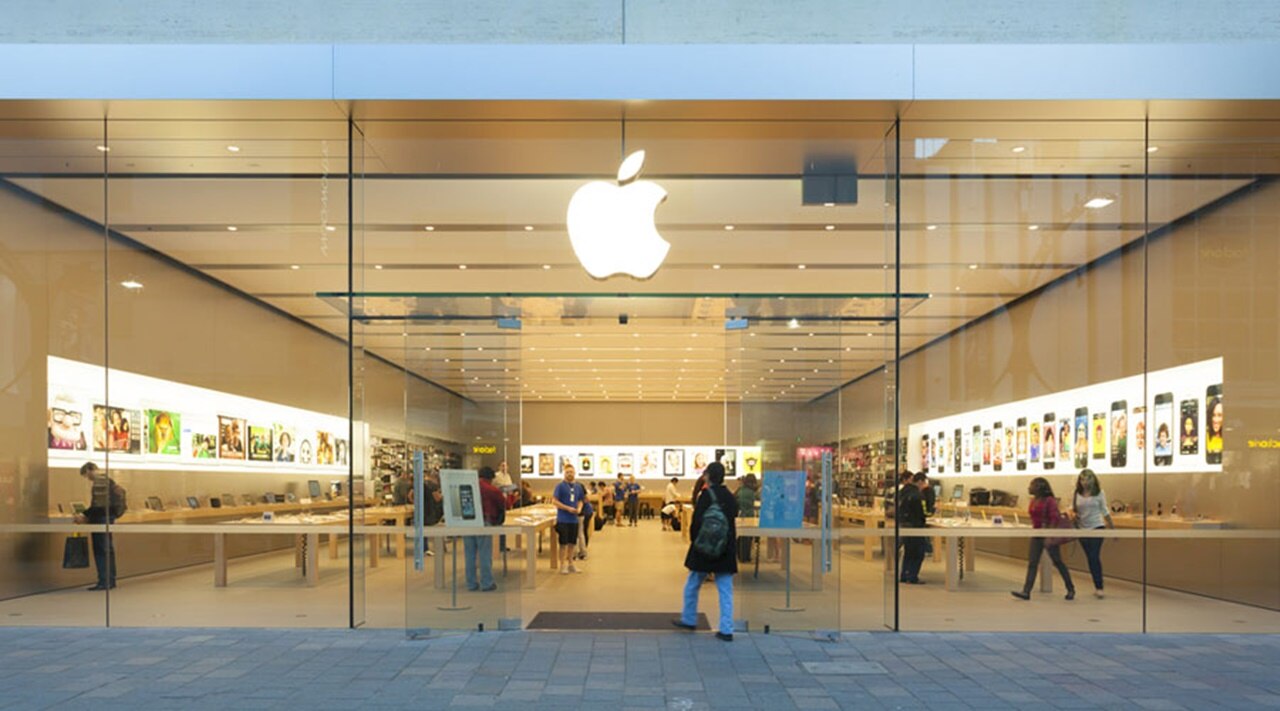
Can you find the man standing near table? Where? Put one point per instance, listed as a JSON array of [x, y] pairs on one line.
[[568, 502], [478, 550]]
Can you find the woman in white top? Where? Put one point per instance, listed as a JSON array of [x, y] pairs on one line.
[[1092, 513]]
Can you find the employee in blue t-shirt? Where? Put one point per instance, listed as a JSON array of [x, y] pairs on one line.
[[633, 500], [568, 500], [619, 500]]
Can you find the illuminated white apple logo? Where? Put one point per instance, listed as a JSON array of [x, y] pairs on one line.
[[611, 226]]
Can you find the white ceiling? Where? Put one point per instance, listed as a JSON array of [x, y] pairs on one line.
[[990, 209]]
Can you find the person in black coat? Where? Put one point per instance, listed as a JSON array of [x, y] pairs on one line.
[[911, 514], [724, 565]]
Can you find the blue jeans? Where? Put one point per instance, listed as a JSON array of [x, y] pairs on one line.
[[480, 547], [724, 589]]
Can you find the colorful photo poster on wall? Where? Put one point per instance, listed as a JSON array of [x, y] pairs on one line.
[[286, 443], [259, 443], [546, 464], [1105, 426], [163, 428], [306, 452], [116, 429], [604, 467], [626, 463], [782, 500], [68, 421], [324, 448], [526, 464], [461, 491], [341, 450], [564, 461], [650, 463], [231, 437], [586, 464], [204, 446], [673, 462], [752, 461], [701, 458], [728, 458]]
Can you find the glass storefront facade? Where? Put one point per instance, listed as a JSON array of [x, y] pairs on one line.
[[258, 317]]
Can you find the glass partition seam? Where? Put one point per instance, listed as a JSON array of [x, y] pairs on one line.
[[1146, 366], [351, 460], [106, 345], [897, 342]]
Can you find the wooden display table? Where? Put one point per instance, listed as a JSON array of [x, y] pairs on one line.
[[750, 528]]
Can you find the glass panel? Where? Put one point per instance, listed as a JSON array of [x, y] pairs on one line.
[[227, 404], [1213, 504], [1028, 239], [52, 306]]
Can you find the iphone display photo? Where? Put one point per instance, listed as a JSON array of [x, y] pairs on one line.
[[1163, 421], [1022, 444], [1099, 435], [1082, 438], [997, 447], [1119, 433], [1214, 424], [1189, 430], [1049, 452]]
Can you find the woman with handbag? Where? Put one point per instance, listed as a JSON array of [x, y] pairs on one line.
[[1091, 511], [1045, 513]]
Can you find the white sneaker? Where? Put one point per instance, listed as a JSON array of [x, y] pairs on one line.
[[573, 569], [565, 571], [430, 554], [1098, 594]]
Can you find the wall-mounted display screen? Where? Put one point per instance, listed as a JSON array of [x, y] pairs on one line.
[[644, 462], [1105, 427], [154, 424]]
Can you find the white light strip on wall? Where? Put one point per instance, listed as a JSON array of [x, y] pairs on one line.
[[1170, 429], [160, 425]]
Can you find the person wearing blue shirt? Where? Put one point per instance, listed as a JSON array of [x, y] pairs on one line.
[[567, 499], [619, 500], [633, 500]]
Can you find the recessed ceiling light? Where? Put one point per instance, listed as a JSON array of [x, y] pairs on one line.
[[729, 227], [1019, 149], [232, 228], [957, 288], [104, 149], [828, 204], [294, 267], [1098, 203], [715, 266], [131, 284], [546, 266], [377, 266], [430, 228], [528, 228], [330, 228], [931, 227], [870, 334], [800, 266], [1033, 228], [793, 324], [462, 266], [479, 348], [463, 334], [1152, 149], [973, 266], [829, 228], [427, 348], [234, 149]]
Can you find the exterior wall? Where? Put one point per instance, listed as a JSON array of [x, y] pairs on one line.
[[641, 21]]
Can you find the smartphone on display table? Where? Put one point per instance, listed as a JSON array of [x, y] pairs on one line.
[[1163, 448], [1119, 433], [1099, 435], [1214, 424], [1189, 428], [977, 448], [1082, 437], [997, 447], [1022, 444], [955, 451]]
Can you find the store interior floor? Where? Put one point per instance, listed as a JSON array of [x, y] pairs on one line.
[[628, 569]]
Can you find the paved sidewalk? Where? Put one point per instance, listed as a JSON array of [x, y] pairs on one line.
[[305, 669]]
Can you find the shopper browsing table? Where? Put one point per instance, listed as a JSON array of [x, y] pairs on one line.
[[633, 500], [911, 515], [478, 550], [713, 552], [568, 503], [106, 504]]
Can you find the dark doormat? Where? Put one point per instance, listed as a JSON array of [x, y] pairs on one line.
[[618, 621]]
